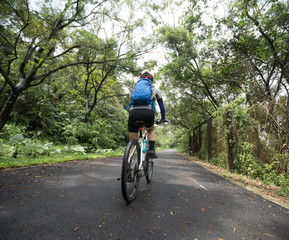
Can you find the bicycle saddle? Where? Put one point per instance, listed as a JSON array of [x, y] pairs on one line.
[[139, 123]]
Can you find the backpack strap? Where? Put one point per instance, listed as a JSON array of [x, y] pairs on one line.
[[154, 95], [153, 103]]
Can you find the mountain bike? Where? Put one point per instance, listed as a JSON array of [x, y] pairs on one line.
[[136, 163]]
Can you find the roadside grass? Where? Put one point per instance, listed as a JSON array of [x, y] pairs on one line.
[[24, 161]]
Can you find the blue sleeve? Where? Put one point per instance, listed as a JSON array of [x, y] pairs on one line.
[[162, 108]]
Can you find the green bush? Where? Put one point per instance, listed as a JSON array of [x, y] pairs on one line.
[[246, 163], [219, 160], [10, 130], [18, 146]]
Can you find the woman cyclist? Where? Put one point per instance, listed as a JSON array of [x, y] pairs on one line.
[[146, 114]]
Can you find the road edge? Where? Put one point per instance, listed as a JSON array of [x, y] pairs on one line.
[[245, 182]]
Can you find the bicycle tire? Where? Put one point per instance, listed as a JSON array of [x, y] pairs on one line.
[[129, 172], [149, 167]]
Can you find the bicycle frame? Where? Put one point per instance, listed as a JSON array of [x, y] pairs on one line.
[[142, 137]]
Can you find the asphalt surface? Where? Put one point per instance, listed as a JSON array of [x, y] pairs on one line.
[[83, 200]]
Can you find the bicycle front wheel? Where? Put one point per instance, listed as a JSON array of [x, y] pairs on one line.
[[130, 170], [149, 166]]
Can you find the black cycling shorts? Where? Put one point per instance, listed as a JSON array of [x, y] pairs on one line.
[[145, 115]]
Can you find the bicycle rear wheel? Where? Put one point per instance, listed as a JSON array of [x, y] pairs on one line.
[[149, 166], [129, 172]]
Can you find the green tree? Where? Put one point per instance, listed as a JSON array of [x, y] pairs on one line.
[[39, 41], [257, 44], [30, 50], [95, 78]]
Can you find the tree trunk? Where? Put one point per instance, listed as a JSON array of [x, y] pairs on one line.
[[230, 142], [200, 140], [7, 108], [195, 143], [190, 148], [209, 139]]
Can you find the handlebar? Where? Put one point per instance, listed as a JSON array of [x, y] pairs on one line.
[[161, 121]]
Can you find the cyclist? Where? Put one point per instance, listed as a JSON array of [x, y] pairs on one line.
[[146, 114]]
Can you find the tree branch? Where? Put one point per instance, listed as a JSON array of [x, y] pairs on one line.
[[270, 42], [66, 51], [7, 78]]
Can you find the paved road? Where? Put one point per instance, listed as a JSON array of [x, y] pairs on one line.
[[82, 200]]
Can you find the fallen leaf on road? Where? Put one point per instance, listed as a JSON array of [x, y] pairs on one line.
[[152, 232], [268, 234], [172, 213], [202, 209], [75, 229], [211, 229]]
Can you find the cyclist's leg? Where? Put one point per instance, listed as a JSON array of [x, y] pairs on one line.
[[132, 128], [151, 134], [133, 135], [152, 140]]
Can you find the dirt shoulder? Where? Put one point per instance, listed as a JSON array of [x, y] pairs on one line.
[[269, 192]]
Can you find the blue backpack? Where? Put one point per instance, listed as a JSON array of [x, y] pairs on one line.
[[142, 93]]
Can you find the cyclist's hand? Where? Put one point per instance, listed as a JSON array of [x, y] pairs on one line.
[[163, 121]]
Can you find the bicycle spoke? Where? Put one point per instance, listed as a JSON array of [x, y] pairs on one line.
[[131, 153]]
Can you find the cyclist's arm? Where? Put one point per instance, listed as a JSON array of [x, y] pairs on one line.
[[162, 108], [160, 103]]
